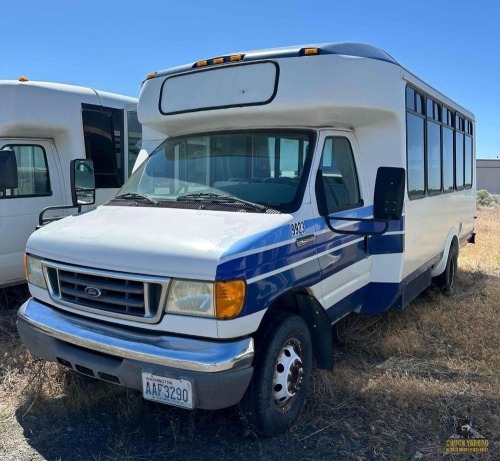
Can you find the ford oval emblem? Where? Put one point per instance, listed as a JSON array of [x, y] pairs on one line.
[[93, 292]]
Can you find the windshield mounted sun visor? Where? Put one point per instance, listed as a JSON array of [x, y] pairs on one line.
[[245, 84]]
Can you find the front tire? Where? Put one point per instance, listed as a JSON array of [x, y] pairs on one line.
[[281, 377]]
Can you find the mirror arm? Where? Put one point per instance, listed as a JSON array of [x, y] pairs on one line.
[[349, 232], [57, 207]]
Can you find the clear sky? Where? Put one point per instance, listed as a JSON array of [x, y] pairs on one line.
[[112, 45]]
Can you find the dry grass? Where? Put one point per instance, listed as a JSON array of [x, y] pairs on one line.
[[401, 382]]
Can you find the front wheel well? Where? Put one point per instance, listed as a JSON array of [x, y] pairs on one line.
[[301, 303]]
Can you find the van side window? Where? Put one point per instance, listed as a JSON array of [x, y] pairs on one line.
[[468, 162], [102, 130], [448, 170], [433, 147], [459, 152], [32, 170], [415, 145], [339, 178]]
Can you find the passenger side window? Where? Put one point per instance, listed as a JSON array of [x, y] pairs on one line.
[[339, 183], [415, 143], [32, 170]]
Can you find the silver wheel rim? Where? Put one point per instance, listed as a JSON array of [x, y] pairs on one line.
[[288, 375]]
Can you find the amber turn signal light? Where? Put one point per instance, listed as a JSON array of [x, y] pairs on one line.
[[229, 298]]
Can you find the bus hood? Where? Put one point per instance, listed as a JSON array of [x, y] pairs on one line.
[[156, 241]]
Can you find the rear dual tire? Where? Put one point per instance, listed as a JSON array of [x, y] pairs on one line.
[[447, 281]]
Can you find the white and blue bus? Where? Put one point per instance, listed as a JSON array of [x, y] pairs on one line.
[[47, 125], [293, 186]]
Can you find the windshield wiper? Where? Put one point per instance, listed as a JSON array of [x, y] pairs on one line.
[[220, 198], [136, 195]]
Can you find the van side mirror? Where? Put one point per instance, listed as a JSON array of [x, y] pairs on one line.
[[82, 182], [389, 193], [388, 201], [8, 170], [82, 190]]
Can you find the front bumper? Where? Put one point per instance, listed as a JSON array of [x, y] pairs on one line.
[[220, 371]]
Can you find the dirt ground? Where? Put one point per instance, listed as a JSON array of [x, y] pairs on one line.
[[402, 382]]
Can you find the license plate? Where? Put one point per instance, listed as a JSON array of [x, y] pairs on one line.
[[171, 391]]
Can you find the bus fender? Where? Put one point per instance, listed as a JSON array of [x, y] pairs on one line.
[[441, 265]]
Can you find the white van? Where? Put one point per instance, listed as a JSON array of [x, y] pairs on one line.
[[294, 186], [48, 125]]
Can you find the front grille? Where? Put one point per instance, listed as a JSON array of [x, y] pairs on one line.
[[107, 293]]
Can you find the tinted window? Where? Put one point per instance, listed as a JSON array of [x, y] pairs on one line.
[[459, 160], [415, 149], [430, 107], [410, 98], [448, 182], [102, 128], [433, 157], [340, 180], [468, 161], [419, 103], [449, 117], [32, 170], [134, 139]]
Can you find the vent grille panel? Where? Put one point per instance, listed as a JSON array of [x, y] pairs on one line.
[[107, 293]]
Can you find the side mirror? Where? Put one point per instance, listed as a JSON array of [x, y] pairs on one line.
[[82, 182], [82, 190], [388, 201], [8, 170], [389, 193]]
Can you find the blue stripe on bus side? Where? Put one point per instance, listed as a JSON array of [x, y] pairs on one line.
[[271, 268], [263, 292], [373, 298], [283, 233], [259, 263], [386, 244], [343, 258]]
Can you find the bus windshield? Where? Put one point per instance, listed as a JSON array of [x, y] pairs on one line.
[[267, 168]]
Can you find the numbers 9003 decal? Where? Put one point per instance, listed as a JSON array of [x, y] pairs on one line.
[[298, 228]]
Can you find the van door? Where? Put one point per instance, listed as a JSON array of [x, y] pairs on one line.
[[344, 261], [39, 186]]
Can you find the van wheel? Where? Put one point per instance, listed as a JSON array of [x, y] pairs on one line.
[[447, 281], [281, 377]]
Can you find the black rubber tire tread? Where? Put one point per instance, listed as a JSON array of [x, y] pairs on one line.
[[447, 281], [257, 407]]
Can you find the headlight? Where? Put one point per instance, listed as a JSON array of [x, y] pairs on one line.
[[222, 300], [191, 298], [34, 271]]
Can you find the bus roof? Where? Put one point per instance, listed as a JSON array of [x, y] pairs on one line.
[[353, 49], [43, 109], [359, 50], [346, 85]]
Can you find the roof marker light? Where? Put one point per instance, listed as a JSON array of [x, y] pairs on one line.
[[217, 60], [151, 75], [201, 63], [236, 57], [22, 78], [310, 51]]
